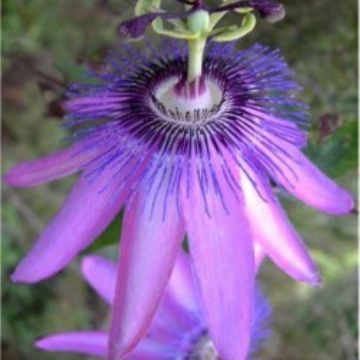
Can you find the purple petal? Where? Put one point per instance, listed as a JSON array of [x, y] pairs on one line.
[[315, 188], [100, 273], [48, 168], [148, 250], [181, 286], [222, 251], [87, 211], [296, 173], [273, 231], [87, 342]]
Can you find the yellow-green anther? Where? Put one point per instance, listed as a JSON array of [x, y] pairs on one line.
[[198, 22], [235, 33]]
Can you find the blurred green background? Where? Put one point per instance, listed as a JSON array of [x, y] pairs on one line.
[[46, 44]]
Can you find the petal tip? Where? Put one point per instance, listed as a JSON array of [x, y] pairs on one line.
[[16, 277], [9, 178], [305, 271], [87, 263], [348, 204], [352, 204], [26, 276], [20, 279], [341, 202], [316, 280], [18, 176], [310, 275], [43, 344]]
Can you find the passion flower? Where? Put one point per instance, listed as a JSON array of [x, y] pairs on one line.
[[190, 142]]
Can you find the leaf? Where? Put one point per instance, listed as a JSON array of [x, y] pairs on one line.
[[338, 153], [110, 236]]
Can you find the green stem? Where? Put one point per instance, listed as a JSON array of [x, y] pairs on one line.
[[195, 61]]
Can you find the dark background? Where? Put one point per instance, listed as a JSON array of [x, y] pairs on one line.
[[46, 45]]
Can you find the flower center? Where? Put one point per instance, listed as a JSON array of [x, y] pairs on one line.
[[176, 102], [203, 349]]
